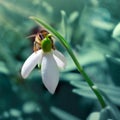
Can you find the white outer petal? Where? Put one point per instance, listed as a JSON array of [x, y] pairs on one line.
[[60, 59], [50, 72], [31, 62]]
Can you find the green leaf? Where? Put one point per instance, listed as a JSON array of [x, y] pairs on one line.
[[3, 68], [85, 93], [62, 115], [73, 16], [94, 116], [114, 68], [63, 26], [111, 91], [107, 113], [116, 32]]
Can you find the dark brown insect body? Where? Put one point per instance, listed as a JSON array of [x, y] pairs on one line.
[[39, 37]]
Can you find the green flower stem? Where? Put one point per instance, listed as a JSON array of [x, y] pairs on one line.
[[80, 69]]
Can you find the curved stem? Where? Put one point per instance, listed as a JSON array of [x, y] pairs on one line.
[[79, 67]]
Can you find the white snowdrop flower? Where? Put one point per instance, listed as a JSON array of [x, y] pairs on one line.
[[50, 60]]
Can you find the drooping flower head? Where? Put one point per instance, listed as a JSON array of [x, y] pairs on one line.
[[50, 59]]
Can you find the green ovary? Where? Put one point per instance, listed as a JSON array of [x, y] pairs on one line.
[[46, 45]]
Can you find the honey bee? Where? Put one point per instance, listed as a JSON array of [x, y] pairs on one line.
[[39, 37]]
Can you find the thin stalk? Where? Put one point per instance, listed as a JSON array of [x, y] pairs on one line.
[[79, 67]]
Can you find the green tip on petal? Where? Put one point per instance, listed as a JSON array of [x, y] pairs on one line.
[[46, 45], [39, 66]]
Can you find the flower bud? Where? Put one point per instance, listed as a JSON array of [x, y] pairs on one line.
[[46, 45]]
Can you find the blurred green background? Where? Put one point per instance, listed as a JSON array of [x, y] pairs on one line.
[[88, 26]]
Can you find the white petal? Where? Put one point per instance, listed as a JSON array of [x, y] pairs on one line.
[[31, 62], [50, 72], [60, 59]]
